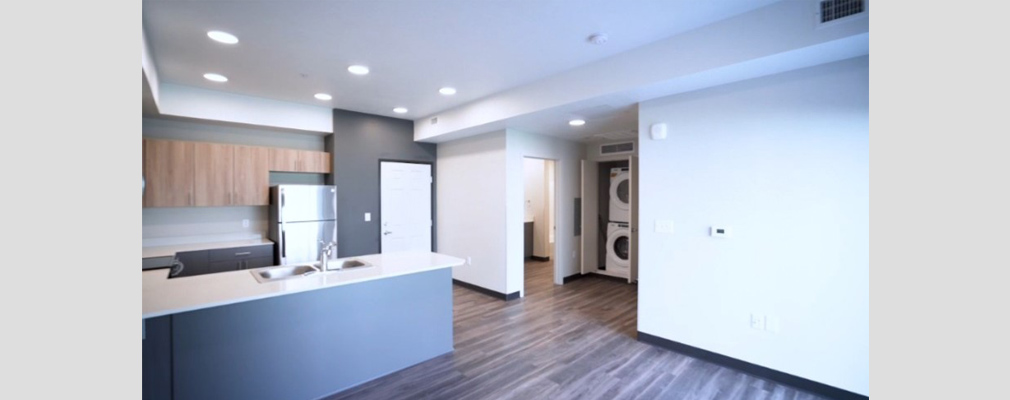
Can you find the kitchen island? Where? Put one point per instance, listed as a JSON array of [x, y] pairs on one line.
[[226, 335]]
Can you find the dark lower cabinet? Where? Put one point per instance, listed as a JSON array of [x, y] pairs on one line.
[[157, 363], [257, 263], [528, 240], [223, 260], [190, 263], [224, 266]]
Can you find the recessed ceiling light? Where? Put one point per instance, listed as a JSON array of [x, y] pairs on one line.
[[215, 77], [223, 37], [576, 122], [323, 96], [448, 91], [358, 70], [400, 110]]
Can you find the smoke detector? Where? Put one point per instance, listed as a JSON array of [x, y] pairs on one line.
[[598, 38]]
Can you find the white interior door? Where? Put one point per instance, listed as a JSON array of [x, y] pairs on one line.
[[405, 210], [590, 192]]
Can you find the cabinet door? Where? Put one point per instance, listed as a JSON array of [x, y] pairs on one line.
[[215, 169], [193, 263], [168, 173], [257, 263], [157, 359], [252, 176], [316, 161], [224, 266], [284, 160]]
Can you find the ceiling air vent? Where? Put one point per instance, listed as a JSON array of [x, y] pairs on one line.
[[831, 10], [617, 148]]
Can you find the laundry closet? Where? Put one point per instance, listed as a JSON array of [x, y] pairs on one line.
[[609, 210]]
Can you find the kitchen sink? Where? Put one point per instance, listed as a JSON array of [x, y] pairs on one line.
[[271, 274]]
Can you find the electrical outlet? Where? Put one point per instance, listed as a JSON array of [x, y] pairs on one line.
[[719, 232], [245, 223], [664, 226], [368, 217], [757, 322]]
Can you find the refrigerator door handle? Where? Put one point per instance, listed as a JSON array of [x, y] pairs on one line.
[[284, 252]]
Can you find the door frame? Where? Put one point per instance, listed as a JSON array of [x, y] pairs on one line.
[[433, 197]]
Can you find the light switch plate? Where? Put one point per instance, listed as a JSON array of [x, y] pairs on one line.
[[368, 216], [757, 322], [664, 226]]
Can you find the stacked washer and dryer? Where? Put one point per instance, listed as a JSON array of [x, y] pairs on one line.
[[618, 231]]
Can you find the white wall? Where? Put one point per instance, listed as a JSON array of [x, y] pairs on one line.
[[480, 205], [535, 206], [471, 208], [784, 161], [568, 168], [189, 102]]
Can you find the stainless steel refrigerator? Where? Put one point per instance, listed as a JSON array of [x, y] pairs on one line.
[[302, 216]]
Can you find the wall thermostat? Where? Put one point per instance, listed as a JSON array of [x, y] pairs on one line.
[[658, 131]]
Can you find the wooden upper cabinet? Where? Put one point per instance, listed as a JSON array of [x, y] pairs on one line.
[[252, 176], [284, 160], [168, 173], [290, 160], [317, 161], [186, 174], [215, 169]]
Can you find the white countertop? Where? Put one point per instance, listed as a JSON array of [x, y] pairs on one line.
[[169, 251], [163, 296]]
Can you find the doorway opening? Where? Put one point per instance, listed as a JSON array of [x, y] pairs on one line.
[[539, 224]]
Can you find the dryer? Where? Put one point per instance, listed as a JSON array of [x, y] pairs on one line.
[[618, 249], [620, 193]]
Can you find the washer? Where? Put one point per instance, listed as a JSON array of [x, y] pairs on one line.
[[618, 248], [620, 186]]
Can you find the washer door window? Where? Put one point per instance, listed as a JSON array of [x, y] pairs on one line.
[[619, 191], [621, 247]]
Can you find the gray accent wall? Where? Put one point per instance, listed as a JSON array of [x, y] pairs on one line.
[[358, 143]]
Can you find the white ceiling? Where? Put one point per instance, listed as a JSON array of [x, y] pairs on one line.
[[413, 48]]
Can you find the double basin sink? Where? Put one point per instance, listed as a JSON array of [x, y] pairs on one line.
[[273, 274]]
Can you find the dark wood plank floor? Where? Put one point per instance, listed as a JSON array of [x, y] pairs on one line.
[[563, 342]]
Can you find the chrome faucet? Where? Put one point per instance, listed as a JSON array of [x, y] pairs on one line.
[[325, 252]]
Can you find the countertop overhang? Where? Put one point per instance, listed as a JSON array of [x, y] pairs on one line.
[[163, 296]]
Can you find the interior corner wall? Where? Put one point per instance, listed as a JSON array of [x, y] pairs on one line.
[[783, 162], [568, 155], [359, 142], [471, 208]]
